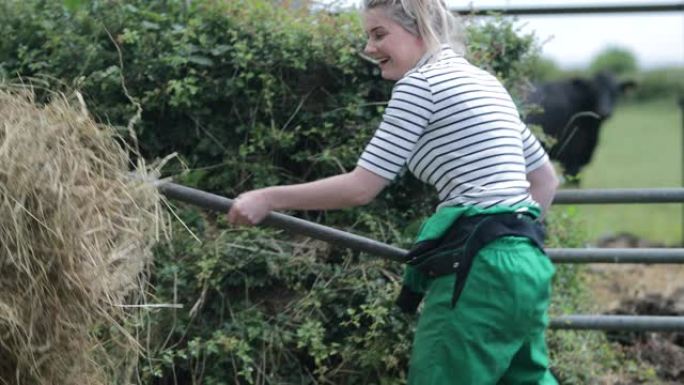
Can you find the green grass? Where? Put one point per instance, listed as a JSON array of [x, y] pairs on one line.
[[640, 146]]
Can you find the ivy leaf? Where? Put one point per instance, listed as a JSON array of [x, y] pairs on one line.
[[150, 25], [220, 49], [201, 60]]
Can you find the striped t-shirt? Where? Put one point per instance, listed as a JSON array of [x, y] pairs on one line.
[[456, 128]]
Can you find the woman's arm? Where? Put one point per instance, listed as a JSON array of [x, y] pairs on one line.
[[354, 188], [543, 184]]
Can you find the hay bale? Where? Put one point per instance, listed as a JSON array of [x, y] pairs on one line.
[[75, 238]]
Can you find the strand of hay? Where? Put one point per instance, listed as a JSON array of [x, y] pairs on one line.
[[75, 239]]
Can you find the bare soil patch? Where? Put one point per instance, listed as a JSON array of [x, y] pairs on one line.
[[631, 289]]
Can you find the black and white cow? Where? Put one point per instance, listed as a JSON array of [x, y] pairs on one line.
[[572, 113]]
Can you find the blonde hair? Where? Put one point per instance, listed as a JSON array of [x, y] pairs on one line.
[[429, 19]]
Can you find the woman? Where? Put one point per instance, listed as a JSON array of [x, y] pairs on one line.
[[455, 127]]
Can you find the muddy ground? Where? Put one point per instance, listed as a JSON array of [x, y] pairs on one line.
[[642, 290]]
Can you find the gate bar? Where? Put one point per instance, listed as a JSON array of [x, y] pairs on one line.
[[588, 9], [617, 255], [344, 239], [620, 195], [618, 322]]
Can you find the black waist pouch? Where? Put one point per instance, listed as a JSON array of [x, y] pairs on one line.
[[453, 253]]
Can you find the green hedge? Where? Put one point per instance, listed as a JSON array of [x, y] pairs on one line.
[[658, 84], [251, 94]]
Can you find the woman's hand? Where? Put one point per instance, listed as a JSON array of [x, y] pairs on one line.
[[249, 208]]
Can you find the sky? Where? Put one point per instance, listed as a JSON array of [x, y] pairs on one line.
[[572, 41]]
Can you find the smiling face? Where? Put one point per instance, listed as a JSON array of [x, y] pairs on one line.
[[396, 49]]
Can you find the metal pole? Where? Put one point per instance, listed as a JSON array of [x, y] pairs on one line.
[[299, 226], [676, 6], [681, 112], [622, 195], [356, 242], [618, 322], [610, 255]]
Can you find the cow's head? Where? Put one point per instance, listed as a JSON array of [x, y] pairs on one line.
[[607, 90]]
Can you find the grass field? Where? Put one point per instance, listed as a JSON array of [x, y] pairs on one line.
[[640, 146]]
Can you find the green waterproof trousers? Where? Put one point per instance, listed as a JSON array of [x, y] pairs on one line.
[[495, 333]]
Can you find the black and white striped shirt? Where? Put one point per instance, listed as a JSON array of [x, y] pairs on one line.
[[455, 127]]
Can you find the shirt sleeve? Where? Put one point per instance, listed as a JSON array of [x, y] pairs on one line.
[[406, 117], [534, 153]]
